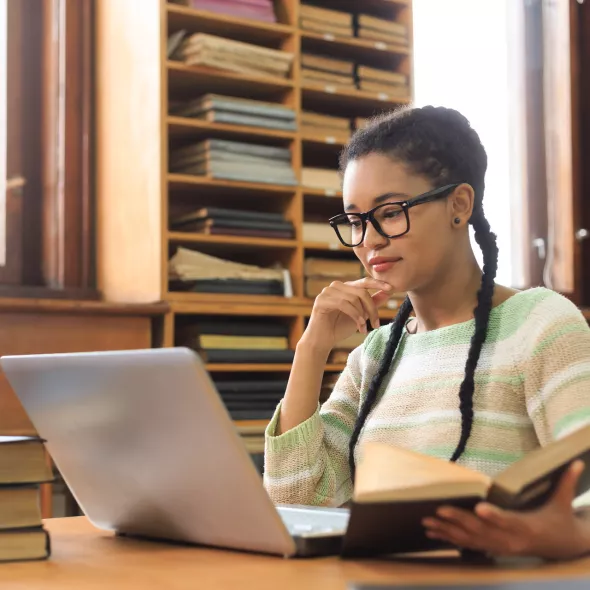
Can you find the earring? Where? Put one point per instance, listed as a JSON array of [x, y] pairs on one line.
[[457, 220]]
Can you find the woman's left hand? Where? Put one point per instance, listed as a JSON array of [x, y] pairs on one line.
[[553, 531]]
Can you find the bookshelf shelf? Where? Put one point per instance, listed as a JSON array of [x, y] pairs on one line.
[[245, 427], [137, 88], [241, 29], [347, 101], [197, 129], [183, 79], [230, 241], [235, 186], [352, 48]]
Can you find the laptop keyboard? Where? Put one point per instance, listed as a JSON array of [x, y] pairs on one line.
[[309, 520]]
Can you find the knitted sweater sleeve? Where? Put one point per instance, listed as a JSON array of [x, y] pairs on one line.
[[556, 368], [309, 463]]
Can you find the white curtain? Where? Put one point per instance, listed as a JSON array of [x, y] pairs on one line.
[[461, 60]]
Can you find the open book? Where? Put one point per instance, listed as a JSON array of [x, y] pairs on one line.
[[396, 488]]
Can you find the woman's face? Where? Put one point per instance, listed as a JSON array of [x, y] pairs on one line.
[[412, 261]]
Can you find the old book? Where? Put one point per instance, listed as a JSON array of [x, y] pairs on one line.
[[311, 75], [234, 286], [245, 106], [324, 134], [247, 233], [326, 15], [326, 28], [20, 507], [260, 11], [320, 178], [327, 64], [204, 225], [247, 356], [248, 120], [376, 74], [328, 268], [393, 91], [223, 213], [227, 342], [388, 38], [233, 147], [382, 25], [309, 118], [396, 488], [23, 459], [24, 545], [237, 327], [319, 232]]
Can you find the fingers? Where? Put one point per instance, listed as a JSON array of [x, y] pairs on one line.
[[362, 295], [356, 315], [370, 283]]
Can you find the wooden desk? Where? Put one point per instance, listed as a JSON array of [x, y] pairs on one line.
[[84, 558]]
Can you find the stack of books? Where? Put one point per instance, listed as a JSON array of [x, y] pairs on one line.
[[393, 84], [325, 21], [378, 29], [251, 400], [260, 10], [24, 465], [318, 69], [238, 111], [328, 127], [189, 270], [320, 272], [320, 233], [235, 160], [321, 178], [241, 342], [234, 222], [340, 352], [201, 49]]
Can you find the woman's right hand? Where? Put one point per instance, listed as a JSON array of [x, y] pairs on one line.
[[344, 308]]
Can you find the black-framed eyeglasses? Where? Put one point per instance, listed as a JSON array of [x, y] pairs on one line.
[[391, 220]]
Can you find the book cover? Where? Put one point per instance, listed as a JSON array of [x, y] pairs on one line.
[[232, 118]]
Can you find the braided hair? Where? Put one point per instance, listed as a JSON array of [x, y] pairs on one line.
[[439, 144]]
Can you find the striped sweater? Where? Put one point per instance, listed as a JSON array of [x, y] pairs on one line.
[[532, 384]]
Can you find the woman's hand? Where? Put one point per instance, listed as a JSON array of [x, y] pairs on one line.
[[343, 308], [553, 531]]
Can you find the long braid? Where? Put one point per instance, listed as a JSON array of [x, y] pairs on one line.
[[394, 337], [487, 242]]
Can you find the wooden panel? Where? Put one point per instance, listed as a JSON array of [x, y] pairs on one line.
[[129, 149], [38, 333]]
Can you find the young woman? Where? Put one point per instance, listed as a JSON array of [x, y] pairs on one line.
[[481, 375]]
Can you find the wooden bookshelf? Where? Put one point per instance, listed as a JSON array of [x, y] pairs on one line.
[[136, 82]]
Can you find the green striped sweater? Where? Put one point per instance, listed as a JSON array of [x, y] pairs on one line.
[[532, 384]]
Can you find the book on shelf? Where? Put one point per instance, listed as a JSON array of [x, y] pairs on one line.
[[258, 386], [247, 356], [242, 172], [259, 10], [243, 110], [227, 54], [395, 489], [326, 15], [237, 327], [204, 224], [223, 213], [231, 286], [233, 118], [246, 233], [328, 268], [318, 125], [322, 178], [325, 28], [379, 75], [369, 22], [24, 465], [320, 232], [391, 90], [327, 64], [236, 148], [174, 43], [227, 342], [251, 414], [381, 37], [315, 76], [254, 400]]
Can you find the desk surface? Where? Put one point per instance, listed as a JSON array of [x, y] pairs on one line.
[[84, 558]]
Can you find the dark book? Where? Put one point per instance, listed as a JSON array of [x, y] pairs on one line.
[[236, 327], [247, 356], [251, 233], [222, 213], [237, 286], [227, 223], [395, 489], [24, 544], [265, 400], [251, 414], [231, 118], [265, 406], [558, 584], [23, 459], [257, 387]]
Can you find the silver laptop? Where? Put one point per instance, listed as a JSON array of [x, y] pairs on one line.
[[148, 449]]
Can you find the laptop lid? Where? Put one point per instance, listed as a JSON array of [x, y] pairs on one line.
[[147, 447]]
